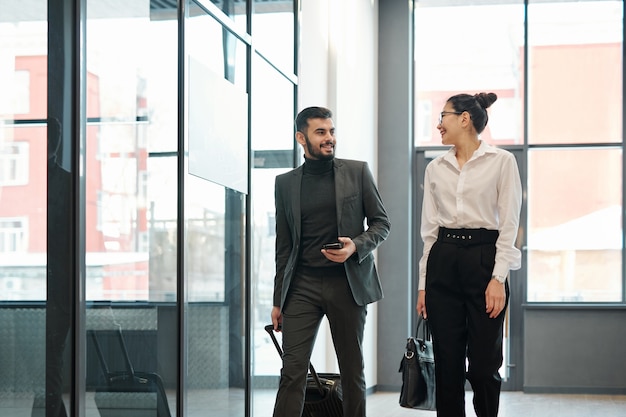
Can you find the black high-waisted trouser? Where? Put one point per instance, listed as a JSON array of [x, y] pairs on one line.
[[460, 266]]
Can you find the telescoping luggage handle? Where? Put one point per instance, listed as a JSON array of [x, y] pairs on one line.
[[270, 329]]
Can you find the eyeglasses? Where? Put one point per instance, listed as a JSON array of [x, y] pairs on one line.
[[443, 113]]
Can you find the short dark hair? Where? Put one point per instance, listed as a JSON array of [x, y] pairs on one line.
[[302, 120], [476, 105]]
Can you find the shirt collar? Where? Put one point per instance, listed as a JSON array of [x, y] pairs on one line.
[[483, 148]]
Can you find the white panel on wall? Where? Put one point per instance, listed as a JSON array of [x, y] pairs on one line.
[[218, 129]]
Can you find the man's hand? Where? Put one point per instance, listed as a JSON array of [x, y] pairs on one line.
[[341, 255], [277, 318]]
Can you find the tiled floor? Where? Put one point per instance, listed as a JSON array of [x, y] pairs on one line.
[[229, 403], [516, 404]]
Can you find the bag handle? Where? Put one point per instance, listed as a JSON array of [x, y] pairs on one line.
[[422, 324], [270, 329]]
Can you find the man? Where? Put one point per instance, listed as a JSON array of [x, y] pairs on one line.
[[325, 200]]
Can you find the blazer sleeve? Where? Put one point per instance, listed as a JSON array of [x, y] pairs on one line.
[[283, 240], [378, 224]]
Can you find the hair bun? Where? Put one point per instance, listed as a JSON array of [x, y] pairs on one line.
[[485, 99]]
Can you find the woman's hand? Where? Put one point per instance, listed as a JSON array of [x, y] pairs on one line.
[[421, 304], [495, 298]]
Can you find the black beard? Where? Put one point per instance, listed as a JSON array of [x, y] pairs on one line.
[[315, 154]]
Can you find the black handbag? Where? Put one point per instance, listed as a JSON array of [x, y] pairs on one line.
[[418, 370]]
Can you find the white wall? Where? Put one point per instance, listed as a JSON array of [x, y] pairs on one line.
[[338, 70]]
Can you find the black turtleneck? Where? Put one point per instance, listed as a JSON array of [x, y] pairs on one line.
[[318, 212]]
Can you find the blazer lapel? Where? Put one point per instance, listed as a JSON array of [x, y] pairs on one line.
[[340, 188]]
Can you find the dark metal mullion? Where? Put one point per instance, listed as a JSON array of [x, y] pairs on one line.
[[623, 155], [79, 161], [65, 293], [516, 330], [247, 273], [292, 78], [519, 282], [296, 60], [181, 296], [223, 19]]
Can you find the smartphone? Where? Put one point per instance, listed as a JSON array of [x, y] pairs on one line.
[[335, 245]]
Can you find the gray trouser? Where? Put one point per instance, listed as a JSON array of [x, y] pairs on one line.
[[316, 292]]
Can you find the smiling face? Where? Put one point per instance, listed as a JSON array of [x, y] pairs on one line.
[[450, 124], [318, 141]]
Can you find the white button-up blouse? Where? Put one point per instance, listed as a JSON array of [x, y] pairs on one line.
[[486, 192]]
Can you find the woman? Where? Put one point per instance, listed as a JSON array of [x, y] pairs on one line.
[[470, 217]]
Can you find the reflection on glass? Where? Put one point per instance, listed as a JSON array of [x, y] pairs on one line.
[[23, 266], [575, 61], [127, 192], [266, 363], [206, 226], [130, 84], [216, 48], [272, 97], [214, 276], [215, 234], [23, 215], [574, 225], [131, 209], [480, 48]]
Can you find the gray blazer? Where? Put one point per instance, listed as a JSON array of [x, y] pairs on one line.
[[357, 200]]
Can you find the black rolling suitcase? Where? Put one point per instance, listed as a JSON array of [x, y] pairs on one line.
[[128, 393], [323, 396]]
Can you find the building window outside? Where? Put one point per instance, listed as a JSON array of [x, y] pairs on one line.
[[14, 163], [13, 235], [21, 97], [16, 98], [573, 98], [575, 193]]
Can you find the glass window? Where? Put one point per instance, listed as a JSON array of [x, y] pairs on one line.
[[132, 111], [273, 143], [575, 72], [129, 86], [266, 362], [273, 32], [273, 104], [21, 92], [216, 48], [206, 228], [218, 105], [24, 88], [215, 217], [479, 48], [575, 225], [23, 210], [234, 9], [573, 98], [131, 204]]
